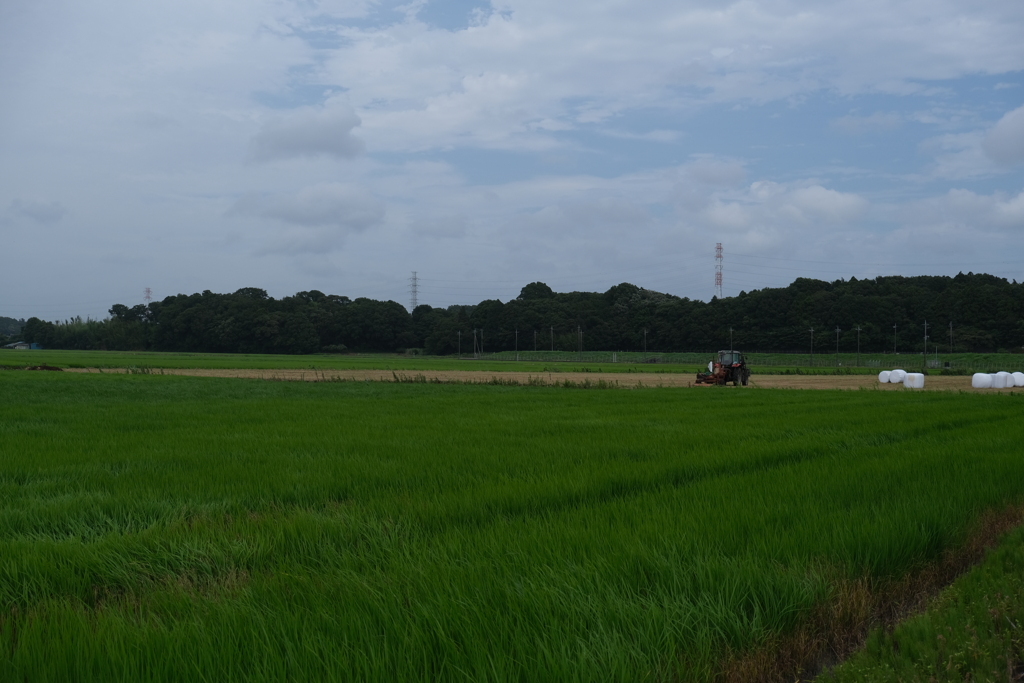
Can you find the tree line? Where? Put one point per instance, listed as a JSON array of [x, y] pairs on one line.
[[986, 313], [10, 326]]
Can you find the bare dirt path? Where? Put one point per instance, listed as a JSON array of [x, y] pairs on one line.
[[626, 380]]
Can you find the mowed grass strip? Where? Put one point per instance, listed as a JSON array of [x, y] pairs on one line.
[[149, 361], [528, 361], [172, 528]]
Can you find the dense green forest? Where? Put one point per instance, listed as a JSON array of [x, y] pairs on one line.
[[986, 312], [10, 326]]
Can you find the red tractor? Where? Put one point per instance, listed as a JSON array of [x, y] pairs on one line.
[[730, 367]]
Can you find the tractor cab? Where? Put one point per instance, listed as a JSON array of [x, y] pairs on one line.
[[729, 358]]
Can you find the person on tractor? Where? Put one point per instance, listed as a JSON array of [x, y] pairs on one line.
[[730, 366]]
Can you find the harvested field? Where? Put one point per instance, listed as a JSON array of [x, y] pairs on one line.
[[625, 380]]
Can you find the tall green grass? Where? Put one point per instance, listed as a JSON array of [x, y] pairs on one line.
[[170, 528]]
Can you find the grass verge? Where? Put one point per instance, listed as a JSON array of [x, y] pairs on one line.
[[866, 609], [973, 631]]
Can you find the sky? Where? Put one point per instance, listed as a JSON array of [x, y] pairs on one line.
[[341, 145]]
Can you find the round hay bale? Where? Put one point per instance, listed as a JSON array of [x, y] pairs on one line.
[[981, 380], [914, 380], [883, 377]]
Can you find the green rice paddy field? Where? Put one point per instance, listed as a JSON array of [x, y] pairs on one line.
[[177, 528]]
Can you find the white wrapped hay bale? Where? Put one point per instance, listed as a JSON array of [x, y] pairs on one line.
[[914, 380], [883, 377], [1002, 380], [897, 376], [981, 380], [1018, 379]]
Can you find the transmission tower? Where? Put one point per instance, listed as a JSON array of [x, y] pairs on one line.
[[148, 295], [718, 270], [414, 290]]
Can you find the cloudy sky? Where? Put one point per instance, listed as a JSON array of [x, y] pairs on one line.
[[340, 145]]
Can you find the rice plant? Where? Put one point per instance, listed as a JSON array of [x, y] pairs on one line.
[[172, 528]]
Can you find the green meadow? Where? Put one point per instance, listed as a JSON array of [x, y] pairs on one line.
[[180, 529]]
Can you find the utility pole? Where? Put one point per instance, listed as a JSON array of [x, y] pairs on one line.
[[730, 338], [535, 341], [951, 336], [579, 342], [894, 339], [924, 356], [812, 347], [475, 354], [858, 346], [645, 343], [460, 344], [837, 345], [552, 338], [517, 343], [481, 341]]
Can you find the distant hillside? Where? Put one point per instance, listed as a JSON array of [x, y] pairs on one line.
[[986, 313], [9, 326]]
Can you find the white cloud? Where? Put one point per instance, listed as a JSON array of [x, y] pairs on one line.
[[143, 114], [1005, 142], [584, 217], [40, 212], [1011, 211], [959, 155], [308, 133], [714, 171], [488, 83], [650, 136], [728, 216], [782, 208], [968, 212], [857, 125], [334, 204], [816, 203], [978, 153], [319, 217], [445, 226]]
